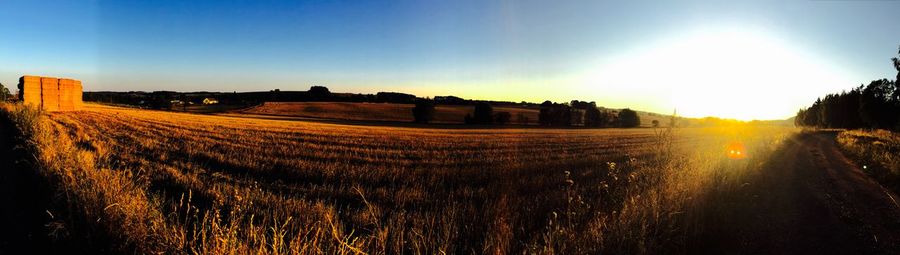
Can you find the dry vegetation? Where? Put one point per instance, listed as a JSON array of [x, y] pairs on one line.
[[878, 150], [148, 181]]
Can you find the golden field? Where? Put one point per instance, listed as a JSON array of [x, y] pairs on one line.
[[379, 111], [161, 182], [878, 150]]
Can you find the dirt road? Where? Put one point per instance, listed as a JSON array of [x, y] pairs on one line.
[[811, 199]]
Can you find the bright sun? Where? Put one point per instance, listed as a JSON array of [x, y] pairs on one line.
[[726, 73]]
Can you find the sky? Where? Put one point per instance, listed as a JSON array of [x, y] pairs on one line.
[[733, 59]]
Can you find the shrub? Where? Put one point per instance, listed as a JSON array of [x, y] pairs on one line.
[[423, 112], [502, 118], [484, 114], [629, 118]]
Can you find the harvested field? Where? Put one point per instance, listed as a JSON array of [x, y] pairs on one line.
[[377, 111], [215, 184]]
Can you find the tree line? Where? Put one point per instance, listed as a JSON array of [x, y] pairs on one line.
[[574, 113], [4, 93], [876, 106]]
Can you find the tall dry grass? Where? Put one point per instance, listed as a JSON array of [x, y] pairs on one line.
[[878, 151], [147, 181], [92, 207]]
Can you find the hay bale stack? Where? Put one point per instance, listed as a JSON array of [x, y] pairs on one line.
[[49, 94], [66, 97], [76, 95], [30, 90]]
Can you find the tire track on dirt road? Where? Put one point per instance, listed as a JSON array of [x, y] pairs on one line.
[[811, 199]]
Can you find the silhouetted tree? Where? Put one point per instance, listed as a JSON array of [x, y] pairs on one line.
[[896, 94], [553, 114], [484, 113], [897, 66], [319, 90], [800, 118], [813, 115], [579, 111], [162, 99], [423, 112], [577, 117], [319, 93], [544, 116], [522, 118], [840, 110], [4, 93], [877, 107], [502, 118], [593, 117], [582, 104], [395, 97], [629, 118]]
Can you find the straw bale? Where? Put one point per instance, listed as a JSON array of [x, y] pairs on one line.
[[77, 93], [30, 90], [49, 93], [65, 95]]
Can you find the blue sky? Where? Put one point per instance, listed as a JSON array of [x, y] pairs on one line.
[[503, 50]]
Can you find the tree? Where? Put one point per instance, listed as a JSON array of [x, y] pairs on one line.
[[812, 114], [522, 118], [544, 117], [319, 90], [593, 117], [553, 114], [629, 118], [423, 112], [577, 117], [655, 123], [484, 113], [876, 107], [897, 66], [799, 119], [896, 94], [502, 118], [319, 93], [4, 93]]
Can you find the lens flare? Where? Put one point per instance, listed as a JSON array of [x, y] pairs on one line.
[[736, 150]]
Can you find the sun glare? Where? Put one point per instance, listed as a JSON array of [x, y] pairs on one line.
[[729, 73]]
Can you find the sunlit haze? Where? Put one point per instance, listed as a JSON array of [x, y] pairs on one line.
[[743, 60], [743, 74]]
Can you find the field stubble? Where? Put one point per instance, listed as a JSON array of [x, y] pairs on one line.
[[152, 181]]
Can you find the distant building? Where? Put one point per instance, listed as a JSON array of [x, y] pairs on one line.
[[210, 101]]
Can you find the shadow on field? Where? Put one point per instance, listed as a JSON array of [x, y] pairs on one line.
[[22, 199], [806, 199]]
